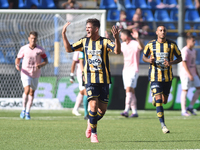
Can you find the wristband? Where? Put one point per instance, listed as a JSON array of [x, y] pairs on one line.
[[16, 65], [71, 74]]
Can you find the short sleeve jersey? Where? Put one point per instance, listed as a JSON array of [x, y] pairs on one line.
[[96, 54], [189, 56], [160, 52], [131, 54], [31, 57]]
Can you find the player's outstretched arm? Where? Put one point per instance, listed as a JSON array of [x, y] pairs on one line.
[[65, 40], [115, 31], [17, 62]]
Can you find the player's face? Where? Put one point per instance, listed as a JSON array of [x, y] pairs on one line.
[[123, 37], [90, 29], [161, 32], [32, 40], [191, 42]]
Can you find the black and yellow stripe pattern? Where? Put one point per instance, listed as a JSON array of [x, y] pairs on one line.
[[161, 51], [96, 64]]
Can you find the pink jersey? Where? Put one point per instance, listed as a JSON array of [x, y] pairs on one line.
[[131, 54], [31, 57], [76, 58], [190, 57]]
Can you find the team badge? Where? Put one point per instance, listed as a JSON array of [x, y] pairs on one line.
[[99, 46], [89, 92]]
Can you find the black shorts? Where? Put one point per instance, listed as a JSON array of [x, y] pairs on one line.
[[160, 88], [98, 90]]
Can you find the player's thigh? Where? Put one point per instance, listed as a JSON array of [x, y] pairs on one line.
[[156, 89], [185, 82], [104, 93], [130, 79], [196, 82], [34, 84], [166, 91], [92, 90]]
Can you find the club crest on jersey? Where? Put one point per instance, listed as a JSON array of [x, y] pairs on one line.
[[99, 46]]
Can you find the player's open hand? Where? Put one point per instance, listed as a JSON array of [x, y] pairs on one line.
[[166, 63], [115, 31], [65, 27], [135, 34], [151, 59]]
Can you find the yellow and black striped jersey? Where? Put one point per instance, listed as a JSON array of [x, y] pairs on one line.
[[96, 63], [160, 52]]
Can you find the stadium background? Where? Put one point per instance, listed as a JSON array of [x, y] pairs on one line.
[[55, 84]]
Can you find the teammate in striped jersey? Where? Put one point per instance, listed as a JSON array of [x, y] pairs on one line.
[[96, 69], [161, 52]]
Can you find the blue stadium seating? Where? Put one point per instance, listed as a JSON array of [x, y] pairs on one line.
[[170, 2], [113, 15], [147, 15], [153, 3], [140, 3], [4, 4], [2, 59], [10, 56], [170, 26], [174, 14], [108, 4], [189, 4], [27, 3], [192, 15], [128, 4], [47, 4], [129, 14], [161, 15]]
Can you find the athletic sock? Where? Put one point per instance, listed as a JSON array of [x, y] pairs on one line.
[[128, 101], [85, 105], [93, 121], [99, 115], [160, 112]]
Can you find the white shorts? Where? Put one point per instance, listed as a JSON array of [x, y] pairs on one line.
[[80, 81], [26, 80], [186, 83], [129, 78]]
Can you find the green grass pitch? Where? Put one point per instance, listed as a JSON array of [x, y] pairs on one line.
[[60, 130]]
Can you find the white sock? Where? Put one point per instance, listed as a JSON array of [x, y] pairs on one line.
[[183, 111], [128, 101], [79, 99]]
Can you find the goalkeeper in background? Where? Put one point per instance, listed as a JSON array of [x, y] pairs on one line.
[[96, 69], [32, 55], [82, 96]]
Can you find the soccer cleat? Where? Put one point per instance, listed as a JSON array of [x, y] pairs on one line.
[[94, 138], [75, 112], [125, 114], [153, 101], [133, 115], [22, 115], [28, 117], [88, 130], [165, 130], [191, 111], [185, 114]]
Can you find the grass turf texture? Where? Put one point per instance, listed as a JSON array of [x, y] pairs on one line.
[[60, 130]]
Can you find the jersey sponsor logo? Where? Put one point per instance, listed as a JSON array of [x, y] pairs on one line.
[[95, 63], [160, 63], [88, 47], [94, 52]]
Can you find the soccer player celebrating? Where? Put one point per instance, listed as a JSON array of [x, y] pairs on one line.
[[96, 69], [189, 76], [131, 51], [82, 96], [32, 55], [161, 52]]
